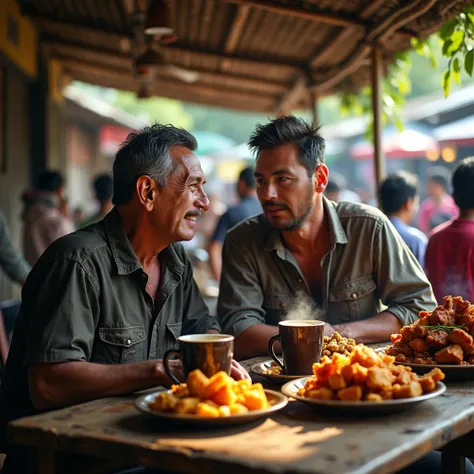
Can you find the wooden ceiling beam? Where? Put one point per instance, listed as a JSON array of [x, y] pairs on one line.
[[73, 65], [124, 62], [313, 14], [237, 28]]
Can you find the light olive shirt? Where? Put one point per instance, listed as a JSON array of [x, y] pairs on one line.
[[86, 300], [368, 269]]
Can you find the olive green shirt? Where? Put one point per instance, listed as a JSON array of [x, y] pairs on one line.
[[86, 300], [368, 269]]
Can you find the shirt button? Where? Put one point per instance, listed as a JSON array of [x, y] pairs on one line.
[[354, 296], [300, 280], [165, 295], [129, 342], [283, 305]]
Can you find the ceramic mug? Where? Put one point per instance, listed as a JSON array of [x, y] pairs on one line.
[[301, 342], [210, 353]]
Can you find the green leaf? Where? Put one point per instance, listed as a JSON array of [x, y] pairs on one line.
[[457, 39], [456, 70], [447, 29], [469, 62], [446, 46], [471, 18], [446, 82]]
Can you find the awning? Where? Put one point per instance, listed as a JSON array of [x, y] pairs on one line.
[[415, 141], [460, 132]]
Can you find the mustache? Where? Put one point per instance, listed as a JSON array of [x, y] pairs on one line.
[[283, 205]]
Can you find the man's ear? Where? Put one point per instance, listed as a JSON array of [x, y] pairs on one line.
[[321, 175], [146, 191]]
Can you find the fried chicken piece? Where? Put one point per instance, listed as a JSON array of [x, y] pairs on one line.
[[407, 333], [419, 345], [419, 328], [424, 360], [465, 340], [448, 302], [467, 320], [461, 305], [353, 393], [379, 379], [442, 316], [437, 374], [395, 338], [403, 358], [470, 360], [413, 389], [452, 354], [437, 339], [403, 378], [427, 384]]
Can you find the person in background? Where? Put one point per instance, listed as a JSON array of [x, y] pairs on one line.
[[12, 261], [332, 190], [399, 198], [439, 206], [449, 260], [45, 216], [248, 206], [103, 189], [337, 189]]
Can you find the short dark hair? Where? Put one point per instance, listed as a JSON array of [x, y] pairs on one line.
[[50, 181], [440, 175], [291, 129], [396, 189], [247, 175], [332, 187], [463, 184], [103, 187], [146, 152]]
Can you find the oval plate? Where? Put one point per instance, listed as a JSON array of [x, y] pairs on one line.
[[387, 406], [276, 399], [261, 368], [452, 372]]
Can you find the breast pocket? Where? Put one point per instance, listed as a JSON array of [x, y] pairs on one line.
[[121, 345], [276, 306], [353, 300], [173, 331]]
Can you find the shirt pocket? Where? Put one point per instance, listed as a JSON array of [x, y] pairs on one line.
[[353, 300], [276, 306], [173, 331], [121, 345]]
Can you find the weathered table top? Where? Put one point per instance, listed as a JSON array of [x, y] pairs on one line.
[[297, 439]]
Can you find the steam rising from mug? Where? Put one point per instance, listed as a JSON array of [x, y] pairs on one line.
[[303, 308]]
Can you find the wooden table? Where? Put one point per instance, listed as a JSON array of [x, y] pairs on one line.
[[297, 439]]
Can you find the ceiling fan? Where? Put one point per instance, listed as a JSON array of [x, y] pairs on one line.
[[155, 30]]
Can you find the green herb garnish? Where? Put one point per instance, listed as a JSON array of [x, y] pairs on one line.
[[448, 329]]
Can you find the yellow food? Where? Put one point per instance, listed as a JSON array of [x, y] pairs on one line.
[[365, 375], [213, 397]]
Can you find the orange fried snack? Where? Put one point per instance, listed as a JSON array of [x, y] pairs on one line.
[[213, 397], [365, 375]]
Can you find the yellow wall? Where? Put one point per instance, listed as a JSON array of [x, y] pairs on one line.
[[23, 54]]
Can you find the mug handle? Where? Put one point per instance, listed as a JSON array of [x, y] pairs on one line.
[[166, 360], [271, 351]]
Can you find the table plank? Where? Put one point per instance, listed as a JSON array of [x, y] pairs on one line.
[[298, 438]]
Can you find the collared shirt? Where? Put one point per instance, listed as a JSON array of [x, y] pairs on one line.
[[43, 224], [415, 239], [368, 269], [86, 300], [249, 206], [11, 259], [450, 259]]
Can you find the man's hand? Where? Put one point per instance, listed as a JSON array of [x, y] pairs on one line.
[[237, 372]]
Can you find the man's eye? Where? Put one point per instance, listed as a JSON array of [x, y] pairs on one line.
[[283, 179], [259, 181]]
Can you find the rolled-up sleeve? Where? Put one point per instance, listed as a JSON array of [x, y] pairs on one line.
[[63, 317], [240, 303], [403, 285], [196, 318], [11, 259]]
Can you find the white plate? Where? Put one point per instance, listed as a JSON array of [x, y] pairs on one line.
[[276, 399], [387, 406]]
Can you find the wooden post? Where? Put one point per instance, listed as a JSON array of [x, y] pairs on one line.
[[313, 106], [377, 75]]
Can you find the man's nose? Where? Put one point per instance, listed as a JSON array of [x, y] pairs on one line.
[[269, 192], [203, 202]]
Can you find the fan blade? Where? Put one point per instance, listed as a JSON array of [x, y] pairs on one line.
[[182, 74]]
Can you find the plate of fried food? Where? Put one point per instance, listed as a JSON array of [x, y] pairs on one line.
[[212, 401], [441, 338], [331, 345], [365, 382]]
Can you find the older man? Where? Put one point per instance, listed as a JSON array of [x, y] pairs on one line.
[[103, 304], [346, 260]]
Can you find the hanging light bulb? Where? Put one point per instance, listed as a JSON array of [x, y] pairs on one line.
[[158, 19]]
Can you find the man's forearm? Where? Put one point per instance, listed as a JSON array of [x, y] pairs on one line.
[[376, 329], [254, 341], [68, 383], [215, 259]]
